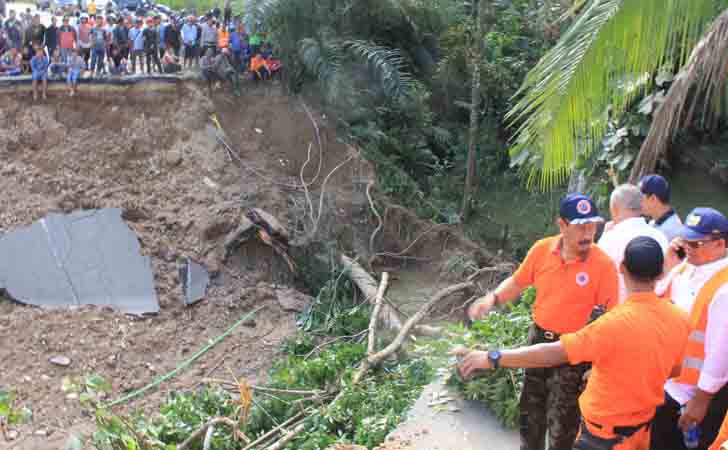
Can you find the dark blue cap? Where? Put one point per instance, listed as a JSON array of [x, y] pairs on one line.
[[643, 258], [655, 185], [702, 223], [579, 208]]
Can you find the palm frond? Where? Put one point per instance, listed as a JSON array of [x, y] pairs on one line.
[[601, 63], [322, 59], [704, 79], [385, 64]]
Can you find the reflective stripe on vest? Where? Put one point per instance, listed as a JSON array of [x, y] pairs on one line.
[[695, 350]]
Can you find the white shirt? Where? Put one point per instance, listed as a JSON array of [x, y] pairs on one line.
[[615, 241], [685, 288]]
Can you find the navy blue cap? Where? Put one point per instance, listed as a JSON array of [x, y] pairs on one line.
[[643, 258], [702, 223], [579, 208], [655, 185]]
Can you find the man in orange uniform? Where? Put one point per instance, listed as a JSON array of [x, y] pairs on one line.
[[633, 349], [700, 288], [572, 276]]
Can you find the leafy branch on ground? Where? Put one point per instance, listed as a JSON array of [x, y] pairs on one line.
[[500, 389]]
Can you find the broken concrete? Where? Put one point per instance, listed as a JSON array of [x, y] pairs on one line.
[[195, 279], [84, 258]]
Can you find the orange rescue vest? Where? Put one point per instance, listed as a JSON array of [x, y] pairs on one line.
[[721, 442], [694, 357]]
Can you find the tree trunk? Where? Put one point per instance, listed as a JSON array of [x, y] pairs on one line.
[[474, 111]]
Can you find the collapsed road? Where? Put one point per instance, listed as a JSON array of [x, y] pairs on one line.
[[84, 258]]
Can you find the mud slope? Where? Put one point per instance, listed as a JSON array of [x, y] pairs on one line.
[[153, 155]]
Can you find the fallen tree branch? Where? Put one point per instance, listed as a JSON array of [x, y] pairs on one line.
[[197, 434], [331, 341], [208, 438], [288, 437], [366, 284], [265, 389], [375, 313], [267, 436], [373, 360]]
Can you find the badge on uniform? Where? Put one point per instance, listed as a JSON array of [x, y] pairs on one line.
[[582, 279]]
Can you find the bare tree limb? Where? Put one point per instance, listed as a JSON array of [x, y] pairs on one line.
[[288, 437], [267, 436], [197, 434], [373, 360], [318, 142], [375, 313], [208, 438], [376, 213]]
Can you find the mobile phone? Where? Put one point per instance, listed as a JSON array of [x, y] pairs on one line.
[[680, 252]]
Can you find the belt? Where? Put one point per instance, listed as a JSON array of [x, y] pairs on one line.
[[625, 431], [545, 334]]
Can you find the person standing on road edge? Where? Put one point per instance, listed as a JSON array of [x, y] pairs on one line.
[[151, 50], [189, 41], [51, 37], [699, 286], [572, 277], [67, 39], [633, 349], [136, 40]]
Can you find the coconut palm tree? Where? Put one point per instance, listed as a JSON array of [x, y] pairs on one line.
[[601, 63]]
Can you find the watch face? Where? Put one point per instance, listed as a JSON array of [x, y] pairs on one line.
[[494, 355]]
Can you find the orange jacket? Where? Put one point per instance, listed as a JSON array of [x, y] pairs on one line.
[[257, 63], [223, 39], [694, 357]]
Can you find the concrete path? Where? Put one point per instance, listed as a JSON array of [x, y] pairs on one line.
[[472, 427]]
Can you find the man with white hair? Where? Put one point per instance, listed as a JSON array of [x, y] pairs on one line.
[[628, 223]]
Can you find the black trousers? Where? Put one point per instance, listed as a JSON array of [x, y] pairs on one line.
[[667, 436]]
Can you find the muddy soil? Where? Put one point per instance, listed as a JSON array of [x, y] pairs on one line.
[[154, 155]]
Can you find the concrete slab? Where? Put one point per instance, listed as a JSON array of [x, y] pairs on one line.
[[195, 279], [84, 258], [472, 427]]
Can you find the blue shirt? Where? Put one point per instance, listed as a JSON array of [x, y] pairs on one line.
[[162, 29], [236, 41], [189, 34], [670, 224], [136, 35], [39, 64]]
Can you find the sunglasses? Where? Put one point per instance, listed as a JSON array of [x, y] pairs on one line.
[[698, 244]]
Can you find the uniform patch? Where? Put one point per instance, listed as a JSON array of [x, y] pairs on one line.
[[582, 279], [692, 220], [583, 207]]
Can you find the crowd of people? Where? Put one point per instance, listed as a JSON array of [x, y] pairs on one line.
[[124, 44], [641, 315]]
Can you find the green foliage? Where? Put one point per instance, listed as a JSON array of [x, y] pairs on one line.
[[90, 389], [498, 389], [596, 66], [11, 414]]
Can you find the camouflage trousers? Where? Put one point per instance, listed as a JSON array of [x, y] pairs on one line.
[[549, 404]]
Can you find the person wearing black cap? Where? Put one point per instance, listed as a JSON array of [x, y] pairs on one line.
[[633, 349], [699, 286], [572, 276], [656, 205]]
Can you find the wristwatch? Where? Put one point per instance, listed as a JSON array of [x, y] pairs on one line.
[[494, 357]]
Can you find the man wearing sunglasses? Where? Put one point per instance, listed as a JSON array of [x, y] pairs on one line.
[[699, 286]]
